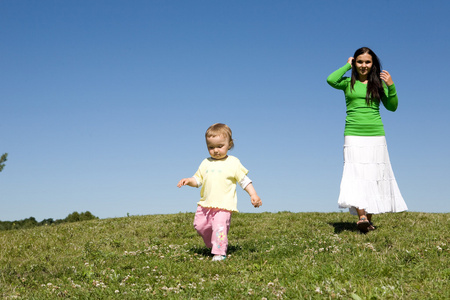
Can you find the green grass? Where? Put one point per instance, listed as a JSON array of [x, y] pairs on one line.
[[271, 256]]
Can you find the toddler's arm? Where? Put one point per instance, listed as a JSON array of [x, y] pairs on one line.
[[187, 181], [256, 201]]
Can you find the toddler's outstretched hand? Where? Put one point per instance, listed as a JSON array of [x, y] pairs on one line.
[[187, 181], [256, 201]]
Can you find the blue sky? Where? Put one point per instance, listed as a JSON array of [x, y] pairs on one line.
[[104, 104]]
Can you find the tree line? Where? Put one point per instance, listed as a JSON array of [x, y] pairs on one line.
[[3, 158], [31, 222]]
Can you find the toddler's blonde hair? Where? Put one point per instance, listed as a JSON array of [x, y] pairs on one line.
[[219, 129]]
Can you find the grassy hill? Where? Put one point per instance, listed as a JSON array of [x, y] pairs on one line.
[[271, 256]]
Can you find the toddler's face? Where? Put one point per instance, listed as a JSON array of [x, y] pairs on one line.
[[218, 146]]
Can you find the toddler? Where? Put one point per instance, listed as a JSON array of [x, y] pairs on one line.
[[218, 175]]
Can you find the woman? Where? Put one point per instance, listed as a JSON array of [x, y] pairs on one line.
[[368, 184]]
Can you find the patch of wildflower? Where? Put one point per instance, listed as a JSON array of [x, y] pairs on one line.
[[271, 249], [370, 246], [163, 252], [148, 289], [442, 247], [51, 286], [175, 290], [99, 283], [333, 249], [73, 284], [333, 289], [326, 244], [273, 287]]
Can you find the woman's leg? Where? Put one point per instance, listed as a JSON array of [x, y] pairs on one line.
[[362, 214], [363, 223], [371, 226]]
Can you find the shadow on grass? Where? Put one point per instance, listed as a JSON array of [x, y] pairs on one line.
[[203, 251], [344, 226]]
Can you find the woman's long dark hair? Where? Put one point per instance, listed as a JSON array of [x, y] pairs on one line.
[[375, 89]]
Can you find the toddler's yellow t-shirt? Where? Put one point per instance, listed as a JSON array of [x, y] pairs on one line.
[[218, 179]]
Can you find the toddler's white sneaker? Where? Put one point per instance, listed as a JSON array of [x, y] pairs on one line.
[[218, 257]]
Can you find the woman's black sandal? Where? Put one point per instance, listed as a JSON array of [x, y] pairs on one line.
[[363, 225]]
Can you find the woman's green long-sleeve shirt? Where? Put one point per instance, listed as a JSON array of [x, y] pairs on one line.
[[362, 119]]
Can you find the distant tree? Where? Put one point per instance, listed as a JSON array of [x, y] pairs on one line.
[[87, 216], [3, 158], [49, 221], [28, 223], [6, 225], [73, 217], [76, 217]]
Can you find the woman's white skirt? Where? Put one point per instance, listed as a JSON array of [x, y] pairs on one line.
[[368, 181]]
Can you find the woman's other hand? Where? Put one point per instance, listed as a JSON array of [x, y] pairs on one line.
[[386, 77]]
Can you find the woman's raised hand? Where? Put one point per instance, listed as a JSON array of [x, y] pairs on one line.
[[386, 77], [350, 60]]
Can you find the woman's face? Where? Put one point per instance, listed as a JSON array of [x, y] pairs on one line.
[[363, 65]]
